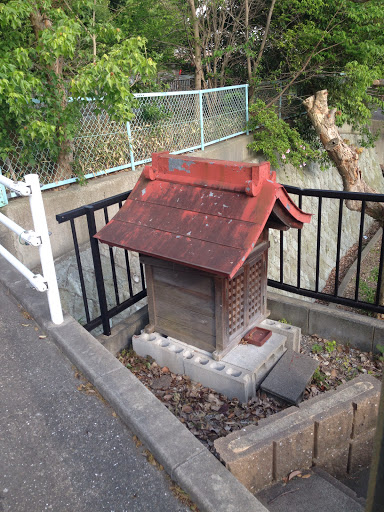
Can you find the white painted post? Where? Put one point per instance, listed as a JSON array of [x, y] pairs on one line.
[[46, 257], [201, 120], [246, 108]]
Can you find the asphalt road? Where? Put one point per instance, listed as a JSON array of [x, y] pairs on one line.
[[62, 449]]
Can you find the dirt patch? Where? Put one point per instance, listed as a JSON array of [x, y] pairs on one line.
[[369, 274], [337, 364], [348, 259]]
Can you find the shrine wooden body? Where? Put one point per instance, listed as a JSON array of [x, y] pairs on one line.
[[207, 311]]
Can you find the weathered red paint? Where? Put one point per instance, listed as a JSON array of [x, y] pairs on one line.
[[206, 214]]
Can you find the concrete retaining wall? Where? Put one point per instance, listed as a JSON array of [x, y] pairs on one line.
[[358, 331], [334, 431], [69, 282]]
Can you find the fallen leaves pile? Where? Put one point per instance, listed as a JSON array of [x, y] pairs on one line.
[[206, 413], [210, 415], [338, 364]]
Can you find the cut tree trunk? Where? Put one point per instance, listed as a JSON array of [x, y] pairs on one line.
[[199, 75], [345, 158]]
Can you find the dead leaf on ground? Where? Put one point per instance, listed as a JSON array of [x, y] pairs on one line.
[[162, 382], [293, 474]]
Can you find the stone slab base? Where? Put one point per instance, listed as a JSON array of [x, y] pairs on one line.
[[290, 376], [237, 375], [333, 431]]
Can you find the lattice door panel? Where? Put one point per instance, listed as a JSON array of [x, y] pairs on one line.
[[236, 302], [255, 289]]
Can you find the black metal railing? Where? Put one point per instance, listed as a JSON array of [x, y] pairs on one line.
[[340, 197], [106, 312]]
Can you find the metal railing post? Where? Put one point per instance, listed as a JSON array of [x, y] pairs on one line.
[[201, 119], [246, 108], [45, 250], [98, 269], [130, 146], [3, 194]]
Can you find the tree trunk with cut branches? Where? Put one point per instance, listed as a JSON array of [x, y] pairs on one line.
[[345, 158]]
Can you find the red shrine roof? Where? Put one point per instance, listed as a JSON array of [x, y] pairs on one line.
[[205, 214]]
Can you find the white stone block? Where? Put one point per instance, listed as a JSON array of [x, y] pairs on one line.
[[227, 379], [292, 332], [238, 374], [162, 350], [258, 360]]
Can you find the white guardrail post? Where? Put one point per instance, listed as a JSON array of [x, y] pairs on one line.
[[38, 238], [45, 250]]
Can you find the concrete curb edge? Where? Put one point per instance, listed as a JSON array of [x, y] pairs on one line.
[[210, 485]]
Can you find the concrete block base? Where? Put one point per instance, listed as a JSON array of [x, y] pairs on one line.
[[320, 432], [237, 375], [292, 332]]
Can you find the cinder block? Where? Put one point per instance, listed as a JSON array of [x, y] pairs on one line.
[[294, 449], [291, 436], [366, 411], [227, 378], [292, 332], [253, 466], [230, 380], [258, 361], [254, 470], [335, 462], [333, 429], [361, 450], [162, 350]]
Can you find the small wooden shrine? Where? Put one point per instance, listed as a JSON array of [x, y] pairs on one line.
[[201, 228]]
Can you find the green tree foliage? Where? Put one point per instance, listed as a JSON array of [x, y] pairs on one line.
[[162, 23], [336, 45], [278, 142], [54, 55]]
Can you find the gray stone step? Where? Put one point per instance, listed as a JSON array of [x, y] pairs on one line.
[[289, 377], [318, 493]]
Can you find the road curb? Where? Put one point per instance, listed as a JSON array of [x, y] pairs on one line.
[[210, 485]]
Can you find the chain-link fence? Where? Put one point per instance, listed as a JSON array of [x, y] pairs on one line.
[[287, 105], [171, 121]]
